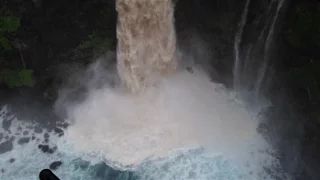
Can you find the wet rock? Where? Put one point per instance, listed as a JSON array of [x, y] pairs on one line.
[[64, 125], [52, 150], [59, 131], [11, 160], [37, 129], [12, 138], [44, 148], [25, 133], [46, 140], [6, 147], [6, 124], [46, 135], [47, 149], [23, 140], [33, 137], [190, 69], [55, 165]]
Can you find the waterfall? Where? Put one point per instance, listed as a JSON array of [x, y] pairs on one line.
[[252, 57], [268, 43], [184, 127], [146, 41], [236, 69]]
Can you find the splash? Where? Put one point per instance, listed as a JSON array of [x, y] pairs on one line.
[[182, 126], [24, 159], [184, 123], [26, 149], [146, 41], [184, 111], [179, 122]]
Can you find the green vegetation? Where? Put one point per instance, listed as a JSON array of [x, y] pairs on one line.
[[95, 45], [9, 24], [17, 78]]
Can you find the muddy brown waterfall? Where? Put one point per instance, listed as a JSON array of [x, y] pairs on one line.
[[146, 41]]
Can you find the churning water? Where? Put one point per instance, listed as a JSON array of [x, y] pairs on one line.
[[183, 126]]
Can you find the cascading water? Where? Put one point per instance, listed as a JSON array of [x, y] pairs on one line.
[[237, 63], [146, 41], [255, 52], [263, 69], [181, 126]]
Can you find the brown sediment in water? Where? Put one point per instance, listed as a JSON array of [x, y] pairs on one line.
[[146, 41]]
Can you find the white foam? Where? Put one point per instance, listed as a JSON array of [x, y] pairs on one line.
[[169, 122], [186, 111], [29, 160]]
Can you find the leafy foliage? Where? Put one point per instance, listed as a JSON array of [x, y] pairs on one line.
[[17, 78], [8, 25], [95, 44]]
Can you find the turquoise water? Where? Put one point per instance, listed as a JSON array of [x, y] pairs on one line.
[[29, 160], [186, 128]]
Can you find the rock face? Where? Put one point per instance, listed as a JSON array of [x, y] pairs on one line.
[[146, 41], [23, 140], [6, 147], [6, 124], [55, 165], [47, 149], [12, 160], [58, 131]]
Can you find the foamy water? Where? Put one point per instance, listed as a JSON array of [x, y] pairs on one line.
[[185, 111], [185, 128]]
